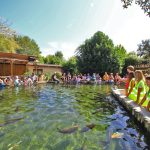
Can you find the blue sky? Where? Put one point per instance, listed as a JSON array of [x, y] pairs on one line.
[[65, 24]]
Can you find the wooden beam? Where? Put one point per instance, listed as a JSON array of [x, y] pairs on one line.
[[11, 67]]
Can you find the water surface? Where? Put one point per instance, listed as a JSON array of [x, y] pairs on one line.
[[30, 119]]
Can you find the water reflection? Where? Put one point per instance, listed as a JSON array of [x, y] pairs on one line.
[[48, 111]]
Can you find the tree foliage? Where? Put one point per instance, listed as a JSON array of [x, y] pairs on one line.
[[144, 4], [144, 49], [8, 44], [27, 46], [120, 53], [57, 58], [59, 54], [131, 59], [70, 65], [97, 55]]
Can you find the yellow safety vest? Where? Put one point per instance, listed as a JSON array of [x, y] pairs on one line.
[[147, 97], [133, 94], [133, 79]]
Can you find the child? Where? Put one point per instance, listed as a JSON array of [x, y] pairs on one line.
[[145, 102], [139, 90], [131, 81]]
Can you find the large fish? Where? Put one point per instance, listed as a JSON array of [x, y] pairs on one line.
[[87, 127], [68, 130], [117, 135], [10, 121]]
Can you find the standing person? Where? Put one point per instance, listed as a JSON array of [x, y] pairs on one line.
[[98, 79], [34, 78], [139, 89], [54, 78], [145, 102], [64, 78], [129, 69], [88, 78], [117, 78], [2, 84], [17, 81], [111, 78], [106, 77]]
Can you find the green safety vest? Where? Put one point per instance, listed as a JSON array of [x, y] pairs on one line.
[[133, 94], [147, 97], [133, 79]]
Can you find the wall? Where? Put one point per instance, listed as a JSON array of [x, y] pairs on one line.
[[44, 68], [140, 114]]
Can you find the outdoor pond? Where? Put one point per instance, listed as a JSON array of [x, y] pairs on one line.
[[67, 117]]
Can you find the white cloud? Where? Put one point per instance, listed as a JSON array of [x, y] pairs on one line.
[[91, 4], [67, 48], [128, 27]]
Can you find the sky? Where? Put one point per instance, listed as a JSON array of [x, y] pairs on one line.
[[65, 24]]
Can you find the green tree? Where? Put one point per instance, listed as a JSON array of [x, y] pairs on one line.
[[70, 65], [52, 59], [144, 49], [120, 53], [131, 59], [59, 54], [27, 46], [144, 4], [97, 55], [8, 44]]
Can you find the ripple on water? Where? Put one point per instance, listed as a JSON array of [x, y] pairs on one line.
[[46, 108]]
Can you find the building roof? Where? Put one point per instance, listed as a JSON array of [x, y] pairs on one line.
[[45, 65], [15, 56]]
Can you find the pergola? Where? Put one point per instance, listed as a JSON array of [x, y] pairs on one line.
[[13, 64]]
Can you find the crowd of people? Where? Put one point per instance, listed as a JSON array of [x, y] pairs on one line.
[[18, 81], [87, 78], [138, 87]]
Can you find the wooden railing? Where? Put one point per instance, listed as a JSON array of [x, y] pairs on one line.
[[144, 67]]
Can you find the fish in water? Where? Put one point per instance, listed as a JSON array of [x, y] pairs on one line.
[[87, 127], [17, 109], [68, 130], [117, 135], [10, 121]]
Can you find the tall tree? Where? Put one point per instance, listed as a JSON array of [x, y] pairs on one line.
[[27, 46], [144, 49], [52, 59], [120, 53], [70, 65], [96, 55], [144, 4], [8, 44], [59, 54]]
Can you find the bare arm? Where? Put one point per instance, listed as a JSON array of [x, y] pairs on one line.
[[132, 85], [143, 100], [138, 94]]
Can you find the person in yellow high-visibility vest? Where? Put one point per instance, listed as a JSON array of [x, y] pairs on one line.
[[131, 83], [139, 89], [145, 102]]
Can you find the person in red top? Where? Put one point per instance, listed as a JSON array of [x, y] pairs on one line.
[[129, 69]]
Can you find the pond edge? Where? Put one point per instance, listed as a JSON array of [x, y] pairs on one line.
[[140, 114]]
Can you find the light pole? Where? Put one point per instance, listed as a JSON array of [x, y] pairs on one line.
[[36, 64]]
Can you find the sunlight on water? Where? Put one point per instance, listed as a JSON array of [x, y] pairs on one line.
[[66, 117]]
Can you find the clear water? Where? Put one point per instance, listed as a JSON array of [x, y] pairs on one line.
[[30, 119]]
